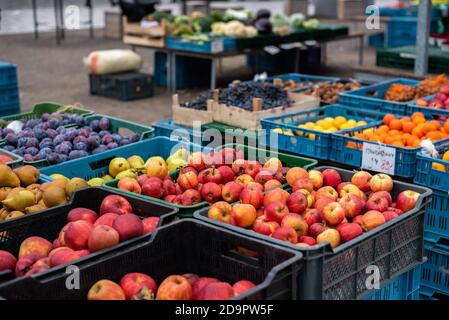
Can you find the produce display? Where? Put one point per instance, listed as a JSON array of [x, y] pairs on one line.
[[205, 177], [86, 232], [328, 92], [47, 139], [241, 95], [440, 101], [4, 159], [440, 166], [406, 132], [319, 208], [327, 124], [404, 93], [189, 286], [22, 194]]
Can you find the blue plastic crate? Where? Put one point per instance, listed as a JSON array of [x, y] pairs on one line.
[[436, 223], [435, 271], [180, 43], [9, 109], [430, 177], [8, 73], [9, 94], [97, 165], [376, 40], [403, 287], [372, 97], [406, 12], [427, 111], [168, 128], [426, 293], [311, 142], [348, 150], [401, 31], [304, 79]]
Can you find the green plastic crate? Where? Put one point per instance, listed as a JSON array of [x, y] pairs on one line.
[[116, 126], [17, 161], [48, 107], [187, 211]]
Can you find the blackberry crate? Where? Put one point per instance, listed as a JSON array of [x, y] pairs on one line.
[[372, 97], [339, 273], [309, 142], [403, 287], [122, 86], [426, 175], [47, 224], [435, 271], [197, 248], [190, 72], [8, 74], [249, 153], [168, 128]]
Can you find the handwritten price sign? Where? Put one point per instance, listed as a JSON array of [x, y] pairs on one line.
[[217, 46], [378, 158]]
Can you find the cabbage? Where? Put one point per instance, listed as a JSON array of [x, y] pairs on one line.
[[296, 20], [231, 14], [311, 24], [278, 20], [234, 29], [218, 28]]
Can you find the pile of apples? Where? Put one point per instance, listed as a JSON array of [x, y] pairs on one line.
[[207, 177], [139, 286], [85, 233], [440, 101], [320, 208]]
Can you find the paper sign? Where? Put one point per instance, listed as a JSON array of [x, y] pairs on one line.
[[217, 46], [378, 158]]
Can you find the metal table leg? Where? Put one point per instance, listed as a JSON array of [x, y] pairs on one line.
[[213, 73], [61, 16], [173, 72], [91, 19], [36, 24], [56, 8], [297, 60]]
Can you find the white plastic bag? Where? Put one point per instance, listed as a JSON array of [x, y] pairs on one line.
[[111, 61]]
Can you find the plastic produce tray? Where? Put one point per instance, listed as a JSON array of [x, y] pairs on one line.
[[48, 223], [255, 153], [340, 273], [17, 161], [215, 45], [435, 271], [8, 73], [197, 248], [311, 142], [372, 97], [429, 177], [168, 128]]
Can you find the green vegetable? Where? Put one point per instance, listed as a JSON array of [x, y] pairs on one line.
[[278, 20], [183, 30], [216, 16], [182, 20], [202, 24], [161, 15], [296, 20], [231, 14], [311, 24]]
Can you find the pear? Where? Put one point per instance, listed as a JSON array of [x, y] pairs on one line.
[[27, 175], [136, 162], [4, 191], [95, 182], [54, 196], [107, 177], [130, 173], [19, 200], [8, 178], [75, 184], [57, 183], [158, 159], [180, 153], [118, 165], [3, 213], [14, 214], [57, 176], [176, 164], [35, 208]]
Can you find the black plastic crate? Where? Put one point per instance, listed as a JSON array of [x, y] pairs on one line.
[[47, 224], [187, 246], [122, 86], [340, 274]]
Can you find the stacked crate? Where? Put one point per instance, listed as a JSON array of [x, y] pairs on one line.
[[9, 89]]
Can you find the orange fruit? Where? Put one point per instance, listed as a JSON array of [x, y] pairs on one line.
[[434, 135], [405, 120], [394, 132], [438, 166], [417, 120], [389, 139], [418, 130], [446, 126], [408, 127], [383, 128], [388, 118], [398, 143], [395, 124], [417, 114]]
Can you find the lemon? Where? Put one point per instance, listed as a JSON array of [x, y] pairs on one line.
[[368, 131], [344, 126], [310, 125], [352, 122], [332, 129], [311, 136], [361, 123], [288, 133], [278, 130], [446, 156], [329, 119], [318, 128], [340, 120]]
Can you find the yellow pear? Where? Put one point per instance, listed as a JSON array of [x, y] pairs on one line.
[[176, 164], [107, 177], [95, 182], [8, 178], [54, 196], [19, 200], [136, 162], [4, 191], [36, 208], [75, 184], [14, 214], [27, 175], [57, 176], [118, 165], [130, 173]]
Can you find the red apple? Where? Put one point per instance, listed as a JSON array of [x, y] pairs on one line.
[[308, 240], [106, 219], [329, 235], [372, 219], [244, 214], [265, 227], [326, 192], [312, 216], [196, 161], [352, 205], [115, 204], [129, 184], [406, 200], [242, 286], [377, 202], [303, 183], [315, 229], [102, 237], [333, 213], [7, 261], [263, 176], [389, 215], [188, 180], [138, 286], [252, 196], [295, 221], [297, 202], [210, 175], [191, 277], [105, 290], [395, 210], [82, 214], [309, 196], [153, 187], [276, 211], [198, 286], [170, 197], [221, 211], [174, 287], [275, 195], [294, 174], [231, 191], [316, 178], [421, 102], [83, 253], [63, 257], [286, 234], [322, 202], [227, 174], [77, 234], [217, 291], [252, 168], [188, 169], [382, 194], [244, 179], [351, 189], [193, 195], [150, 224], [141, 179], [381, 182], [273, 165], [254, 185], [349, 231], [211, 192], [238, 166], [361, 180], [128, 226], [182, 200], [35, 245], [271, 184], [169, 186], [331, 178]]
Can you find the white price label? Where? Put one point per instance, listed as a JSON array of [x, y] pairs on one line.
[[378, 158], [217, 46]]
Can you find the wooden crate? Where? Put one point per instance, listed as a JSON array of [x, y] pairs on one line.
[[113, 25], [134, 34], [349, 8], [241, 118], [186, 116]]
